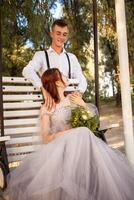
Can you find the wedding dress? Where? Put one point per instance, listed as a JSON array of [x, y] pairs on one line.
[[76, 166]]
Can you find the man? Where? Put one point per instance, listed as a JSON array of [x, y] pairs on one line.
[[55, 57]]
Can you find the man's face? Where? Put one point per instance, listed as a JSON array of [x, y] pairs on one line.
[[59, 35]]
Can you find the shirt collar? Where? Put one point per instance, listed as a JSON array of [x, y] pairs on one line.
[[52, 50]]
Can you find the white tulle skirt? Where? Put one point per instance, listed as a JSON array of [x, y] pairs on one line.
[[77, 166]]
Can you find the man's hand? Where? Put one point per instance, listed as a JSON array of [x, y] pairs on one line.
[[49, 101]]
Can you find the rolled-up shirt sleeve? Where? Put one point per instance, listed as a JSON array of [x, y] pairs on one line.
[[34, 66], [79, 75]]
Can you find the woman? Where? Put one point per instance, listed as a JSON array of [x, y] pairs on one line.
[[72, 164]]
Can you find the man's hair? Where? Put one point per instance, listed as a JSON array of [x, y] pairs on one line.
[[59, 22]]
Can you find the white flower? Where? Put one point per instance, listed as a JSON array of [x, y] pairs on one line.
[[84, 117], [90, 114]]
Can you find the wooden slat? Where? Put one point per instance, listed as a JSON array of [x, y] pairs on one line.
[[14, 80], [16, 89], [16, 158], [7, 79], [18, 150], [4, 138], [21, 140], [13, 131], [21, 105], [21, 113], [21, 97], [20, 89], [28, 97], [18, 122]]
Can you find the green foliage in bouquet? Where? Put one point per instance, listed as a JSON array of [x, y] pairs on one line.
[[82, 117]]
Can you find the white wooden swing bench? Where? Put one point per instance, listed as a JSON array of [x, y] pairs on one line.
[[21, 104]]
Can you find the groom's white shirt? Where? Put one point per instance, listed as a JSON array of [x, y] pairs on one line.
[[39, 64]]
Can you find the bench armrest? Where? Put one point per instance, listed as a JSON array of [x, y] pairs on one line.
[[4, 138], [105, 128]]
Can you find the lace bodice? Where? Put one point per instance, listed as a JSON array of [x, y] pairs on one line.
[[59, 118]]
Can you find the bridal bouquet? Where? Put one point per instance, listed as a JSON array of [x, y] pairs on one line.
[[82, 117]]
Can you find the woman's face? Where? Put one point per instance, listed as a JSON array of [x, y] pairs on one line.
[[65, 82]]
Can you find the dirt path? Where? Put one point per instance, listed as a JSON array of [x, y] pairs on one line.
[[111, 115]]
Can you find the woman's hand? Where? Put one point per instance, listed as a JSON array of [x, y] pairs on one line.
[[76, 98], [50, 137], [49, 101]]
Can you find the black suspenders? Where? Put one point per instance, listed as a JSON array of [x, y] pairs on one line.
[[47, 59], [69, 64]]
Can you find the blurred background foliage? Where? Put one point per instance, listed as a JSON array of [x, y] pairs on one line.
[[26, 26]]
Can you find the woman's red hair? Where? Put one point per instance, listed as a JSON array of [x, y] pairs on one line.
[[49, 79]]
